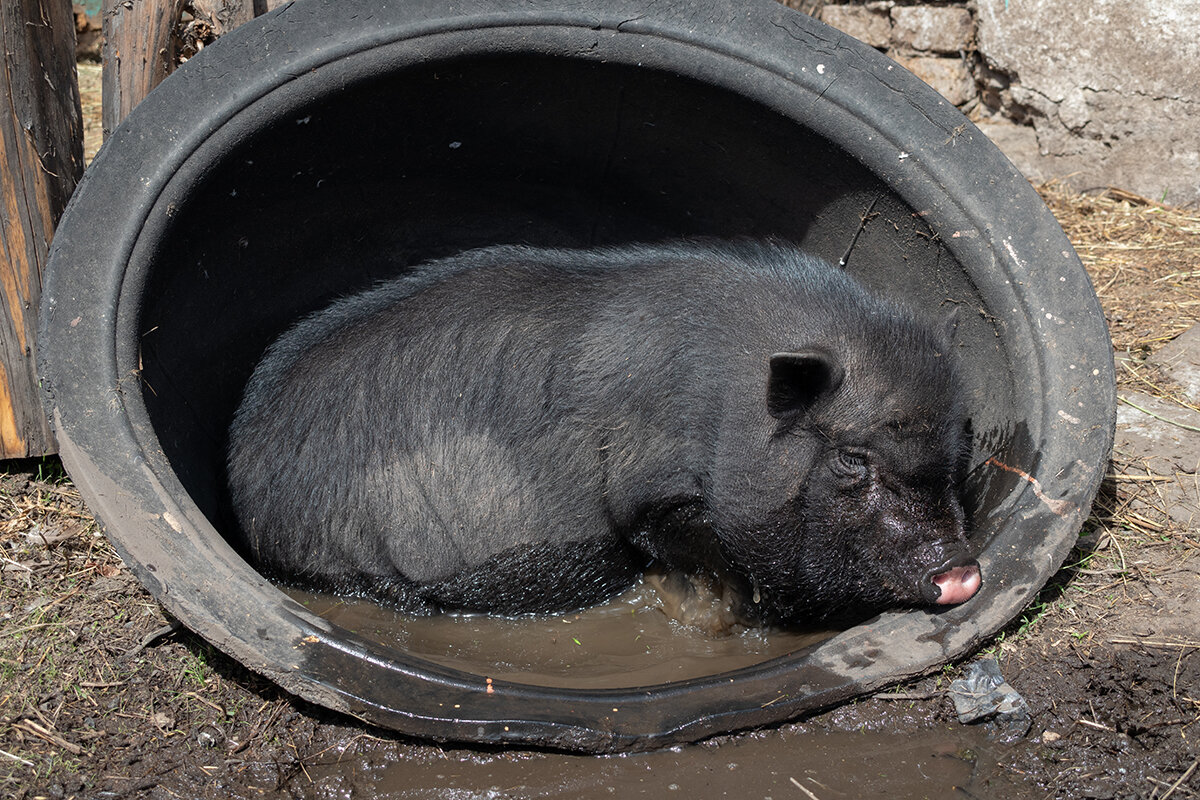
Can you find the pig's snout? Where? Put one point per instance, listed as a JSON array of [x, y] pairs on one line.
[[954, 585]]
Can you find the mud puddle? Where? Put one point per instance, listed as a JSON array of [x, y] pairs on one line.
[[657, 632], [951, 761], [654, 633]]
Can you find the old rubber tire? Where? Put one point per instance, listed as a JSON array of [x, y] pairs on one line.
[[333, 142]]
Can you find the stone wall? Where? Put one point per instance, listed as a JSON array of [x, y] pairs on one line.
[[934, 40], [1098, 93], [1111, 87]]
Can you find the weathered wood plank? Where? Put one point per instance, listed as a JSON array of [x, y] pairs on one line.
[[41, 161], [144, 39], [139, 51]]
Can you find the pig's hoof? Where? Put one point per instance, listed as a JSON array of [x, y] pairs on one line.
[[957, 584]]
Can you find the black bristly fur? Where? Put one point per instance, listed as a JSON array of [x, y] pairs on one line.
[[520, 430]]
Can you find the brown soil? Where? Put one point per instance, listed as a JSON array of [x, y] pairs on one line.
[[101, 696]]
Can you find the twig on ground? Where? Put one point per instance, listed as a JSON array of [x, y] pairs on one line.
[[1098, 726], [29, 726]]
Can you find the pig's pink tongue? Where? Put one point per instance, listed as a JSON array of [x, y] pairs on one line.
[[957, 584]]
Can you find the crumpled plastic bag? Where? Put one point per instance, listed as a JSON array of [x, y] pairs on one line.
[[982, 695]]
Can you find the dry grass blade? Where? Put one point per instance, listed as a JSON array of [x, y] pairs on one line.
[[18, 759], [1142, 257], [803, 788], [1157, 644], [1182, 778]]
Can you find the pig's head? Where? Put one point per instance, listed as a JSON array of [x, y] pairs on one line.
[[860, 508]]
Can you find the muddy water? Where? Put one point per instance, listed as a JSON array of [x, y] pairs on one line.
[[952, 762], [657, 632]]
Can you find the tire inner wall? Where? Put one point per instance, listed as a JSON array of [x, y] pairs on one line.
[[407, 166]]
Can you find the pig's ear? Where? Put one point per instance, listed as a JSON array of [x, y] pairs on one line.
[[797, 379]]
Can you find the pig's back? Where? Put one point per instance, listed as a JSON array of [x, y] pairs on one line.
[[502, 399]]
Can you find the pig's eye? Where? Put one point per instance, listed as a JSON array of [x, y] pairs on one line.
[[850, 466]]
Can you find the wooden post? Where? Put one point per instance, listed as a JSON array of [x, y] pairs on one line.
[[139, 51], [142, 40], [41, 161]]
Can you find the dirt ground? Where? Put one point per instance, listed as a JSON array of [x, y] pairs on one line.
[[102, 696]]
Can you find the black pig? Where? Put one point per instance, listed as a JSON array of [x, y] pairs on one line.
[[522, 430]]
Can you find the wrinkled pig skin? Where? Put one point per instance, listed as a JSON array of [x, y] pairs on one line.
[[517, 430]]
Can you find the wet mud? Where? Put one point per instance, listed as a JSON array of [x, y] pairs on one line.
[[1105, 724], [104, 704], [943, 762], [97, 702]]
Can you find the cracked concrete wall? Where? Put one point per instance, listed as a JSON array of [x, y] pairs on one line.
[[1111, 87]]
